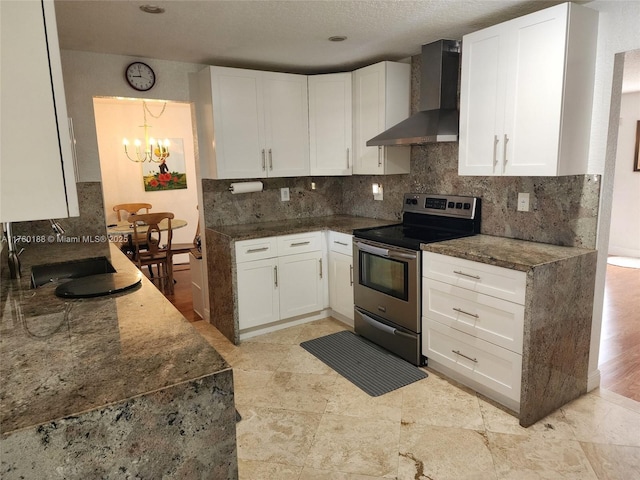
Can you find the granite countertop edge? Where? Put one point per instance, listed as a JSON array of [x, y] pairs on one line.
[[514, 254], [64, 357], [339, 223]]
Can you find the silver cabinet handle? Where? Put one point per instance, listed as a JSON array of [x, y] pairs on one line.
[[341, 243], [467, 274], [457, 352], [347, 158], [298, 244], [275, 275], [254, 250], [474, 315], [504, 159], [495, 151], [320, 260], [380, 155], [351, 275], [264, 160], [270, 160]]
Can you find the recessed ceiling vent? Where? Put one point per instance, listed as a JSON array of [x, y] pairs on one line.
[[437, 120]]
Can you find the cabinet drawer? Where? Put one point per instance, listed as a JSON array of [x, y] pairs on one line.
[[256, 249], [488, 318], [498, 282], [299, 243], [341, 243], [491, 366]]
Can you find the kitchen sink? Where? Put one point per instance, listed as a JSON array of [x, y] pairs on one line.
[[54, 272]]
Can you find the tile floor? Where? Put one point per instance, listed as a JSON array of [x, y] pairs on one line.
[[301, 420]]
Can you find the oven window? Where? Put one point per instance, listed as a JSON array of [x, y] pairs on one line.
[[384, 275]]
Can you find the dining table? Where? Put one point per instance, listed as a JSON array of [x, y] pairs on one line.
[[120, 232]]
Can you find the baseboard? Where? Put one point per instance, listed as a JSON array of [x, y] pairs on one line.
[[593, 380], [281, 324], [342, 318]]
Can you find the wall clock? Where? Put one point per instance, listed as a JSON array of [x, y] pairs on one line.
[[140, 76]]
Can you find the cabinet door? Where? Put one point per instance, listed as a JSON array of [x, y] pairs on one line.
[[238, 123], [341, 284], [286, 124], [37, 172], [258, 302], [481, 103], [533, 96], [300, 284], [330, 112]]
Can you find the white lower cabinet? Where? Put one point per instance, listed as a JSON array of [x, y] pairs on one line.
[[473, 323], [279, 278], [341, 274]]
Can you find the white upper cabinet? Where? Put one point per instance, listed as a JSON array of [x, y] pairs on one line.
[[252, 124], [527, 93], [37, 170], [330, 125], [381, 99]]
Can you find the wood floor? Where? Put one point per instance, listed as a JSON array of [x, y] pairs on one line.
[[620, 337], [619, 361]]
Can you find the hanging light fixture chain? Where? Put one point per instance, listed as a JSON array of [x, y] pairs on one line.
[[146, 108]]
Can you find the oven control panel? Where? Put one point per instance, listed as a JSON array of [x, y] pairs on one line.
[[445, 205]]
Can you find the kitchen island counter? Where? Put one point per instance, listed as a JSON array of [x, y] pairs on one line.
[[102, 386], [558, 304]]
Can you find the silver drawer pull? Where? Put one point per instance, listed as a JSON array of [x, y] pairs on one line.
[[320, 260], [351, 275], [341, 243], [275, 275], [466, 313], [467, 274], [254, 250], [298, 244], [474, 360]]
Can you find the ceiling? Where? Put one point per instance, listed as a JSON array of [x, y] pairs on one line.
[[289, 36]]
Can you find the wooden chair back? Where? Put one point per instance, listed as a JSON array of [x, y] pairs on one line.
[[130, 208], [153, 247]]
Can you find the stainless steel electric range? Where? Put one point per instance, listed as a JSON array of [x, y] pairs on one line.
[[388, 268]]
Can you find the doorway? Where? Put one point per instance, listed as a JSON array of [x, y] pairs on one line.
[[128, 181]]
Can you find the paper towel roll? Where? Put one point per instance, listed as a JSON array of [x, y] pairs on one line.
[[245, 187]]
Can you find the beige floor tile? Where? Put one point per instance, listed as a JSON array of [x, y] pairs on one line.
[[443, 453], [363, 446], [597, 420], [302, 392], [496, 419], [251, 470], [437, 401], [347, 399], [258, 356], [286, 336], [613, 397], [518, 457], [249, 383], [313, 474], [320, 328], [613, 462], [275, 436], [298, 360]]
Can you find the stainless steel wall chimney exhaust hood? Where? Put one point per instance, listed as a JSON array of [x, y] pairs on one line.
[[437, 120]]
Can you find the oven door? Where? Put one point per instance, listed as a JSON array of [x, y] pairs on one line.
[[388, 282]]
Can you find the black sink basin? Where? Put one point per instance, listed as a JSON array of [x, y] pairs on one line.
[[54, 272]]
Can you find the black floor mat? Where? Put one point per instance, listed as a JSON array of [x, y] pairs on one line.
[[369, 367]]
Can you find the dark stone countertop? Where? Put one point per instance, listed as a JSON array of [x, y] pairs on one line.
[[338, 223], [504, 252], [63, 357]]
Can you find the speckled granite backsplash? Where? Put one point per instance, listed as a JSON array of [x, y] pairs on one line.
[[564, 210]]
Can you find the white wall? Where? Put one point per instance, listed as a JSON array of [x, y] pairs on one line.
[[617, 32], [624, 237], [122, 179]]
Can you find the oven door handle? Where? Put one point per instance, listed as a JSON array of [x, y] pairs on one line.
[[384, 252], [381, 326]]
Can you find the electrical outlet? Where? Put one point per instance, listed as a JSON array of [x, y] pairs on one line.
[[523, 202], [284, 194]]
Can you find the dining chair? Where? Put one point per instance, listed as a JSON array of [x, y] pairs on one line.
[[130, 209], [157, 240]]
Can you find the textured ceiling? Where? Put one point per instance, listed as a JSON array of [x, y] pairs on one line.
[[289, 36]]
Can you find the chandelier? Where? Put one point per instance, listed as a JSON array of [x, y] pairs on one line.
[[153, 150]]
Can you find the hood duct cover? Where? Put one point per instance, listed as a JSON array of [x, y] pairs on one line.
[[437, 120]]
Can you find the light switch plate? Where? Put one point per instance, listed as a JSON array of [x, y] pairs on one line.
[[523, 202], [284, 194]]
